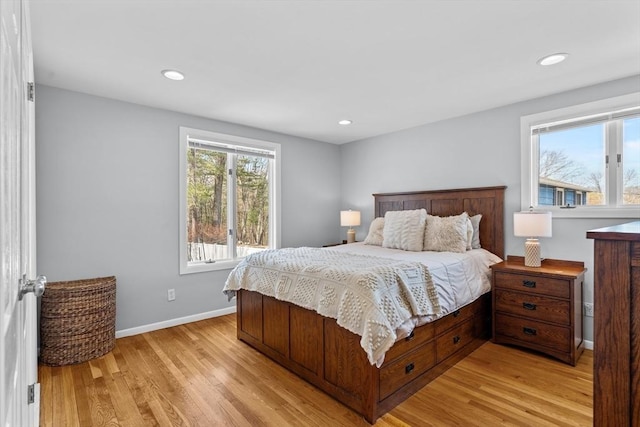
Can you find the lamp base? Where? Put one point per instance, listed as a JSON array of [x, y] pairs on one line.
[[532, 253], [351, 235]]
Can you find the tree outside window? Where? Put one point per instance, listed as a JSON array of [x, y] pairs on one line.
[[228, 208]]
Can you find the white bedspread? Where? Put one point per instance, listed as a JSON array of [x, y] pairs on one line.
[[460, 278], [368, 295]]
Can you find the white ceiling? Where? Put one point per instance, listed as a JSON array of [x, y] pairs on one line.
[[297, 67]]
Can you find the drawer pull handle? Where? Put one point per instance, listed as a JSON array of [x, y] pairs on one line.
[[529, 331], [456, 313], [529, 283], [456, 339], [528, 306], [408, 368], [410, 336]]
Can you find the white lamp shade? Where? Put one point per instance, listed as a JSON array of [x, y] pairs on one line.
[[532, 224], [349, 218]]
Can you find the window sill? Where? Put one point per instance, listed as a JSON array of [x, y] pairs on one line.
[[631, 212], [205, 267]]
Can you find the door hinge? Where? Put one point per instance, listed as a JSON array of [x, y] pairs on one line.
[[230, 172], [31, 91], [31, 393]]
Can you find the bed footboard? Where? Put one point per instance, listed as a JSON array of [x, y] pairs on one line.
[[330, 357]]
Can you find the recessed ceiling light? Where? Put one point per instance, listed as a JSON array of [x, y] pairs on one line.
[[553, 59], [345, 122], [173, 74]]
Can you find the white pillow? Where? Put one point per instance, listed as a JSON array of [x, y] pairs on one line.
[[404, 229], [475, 221], [375, 232], [446, 234], [469, 234]]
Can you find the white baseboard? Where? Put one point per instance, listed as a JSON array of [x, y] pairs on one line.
[[588, 345], [174, 322]]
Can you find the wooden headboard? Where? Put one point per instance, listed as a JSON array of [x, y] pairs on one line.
[[488, 201]]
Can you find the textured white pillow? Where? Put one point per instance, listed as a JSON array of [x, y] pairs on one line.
[[375, 232], [475, 221], [469, 234], [446, 234], [404, 229]]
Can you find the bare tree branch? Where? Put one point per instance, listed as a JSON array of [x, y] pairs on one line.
[[594, 179], [557, 165]]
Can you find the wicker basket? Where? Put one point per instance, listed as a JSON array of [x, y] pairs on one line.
[[77, 320]]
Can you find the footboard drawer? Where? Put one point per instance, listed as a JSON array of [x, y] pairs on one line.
[[455, 339], [416, 338], [407, 368], [458, 316]]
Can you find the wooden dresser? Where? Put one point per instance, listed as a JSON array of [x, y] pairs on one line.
[[616, 356]]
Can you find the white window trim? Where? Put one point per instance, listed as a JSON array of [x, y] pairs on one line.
[[529, 159], [274, 201]]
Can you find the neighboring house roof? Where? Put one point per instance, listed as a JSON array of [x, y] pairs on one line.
[[561, 184]]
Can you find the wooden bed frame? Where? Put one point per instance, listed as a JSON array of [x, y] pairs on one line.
[[331, 358]]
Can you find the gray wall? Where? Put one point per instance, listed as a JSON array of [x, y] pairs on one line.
[[477, 150], [107, 190], [107, 200]]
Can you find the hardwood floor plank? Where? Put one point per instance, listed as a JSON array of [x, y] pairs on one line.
[[96, 372], [135, 393], [145, 392], [199, 374], [59, 410], [80, 376], [46, 389], [159, 417], [125, 407]]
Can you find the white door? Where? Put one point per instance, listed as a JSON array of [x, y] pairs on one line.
[[19, 394]]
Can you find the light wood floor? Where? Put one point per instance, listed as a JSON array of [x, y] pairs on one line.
[[199, 375]]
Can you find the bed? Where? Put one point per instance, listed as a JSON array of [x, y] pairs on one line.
[[331, 357]]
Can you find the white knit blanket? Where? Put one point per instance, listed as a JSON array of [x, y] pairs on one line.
[[369, 296]]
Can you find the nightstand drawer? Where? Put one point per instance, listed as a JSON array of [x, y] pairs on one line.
[[531, 331], [454, 340], [533, 284], [533, 306], [406, 369]]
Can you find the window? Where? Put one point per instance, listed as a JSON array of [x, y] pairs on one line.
[[583, 161], [559, 197], [228, 199]]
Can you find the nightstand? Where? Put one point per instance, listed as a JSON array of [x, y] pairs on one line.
[[344, 242], [539, 307]]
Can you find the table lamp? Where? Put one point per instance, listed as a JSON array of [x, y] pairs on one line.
[[350, 219], [532, 224]]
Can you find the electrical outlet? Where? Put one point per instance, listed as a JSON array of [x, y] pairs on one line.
[[171, 294], [588, 309]]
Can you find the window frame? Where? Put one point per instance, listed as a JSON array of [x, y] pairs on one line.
[[274, 196], [529, 159]]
